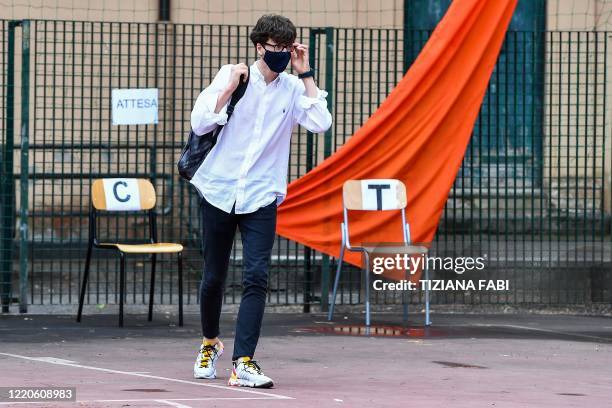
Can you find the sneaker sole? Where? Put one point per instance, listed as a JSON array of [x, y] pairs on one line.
[[203, 377], [239, 382]]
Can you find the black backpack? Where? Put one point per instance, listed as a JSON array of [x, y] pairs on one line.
[[198, 147]]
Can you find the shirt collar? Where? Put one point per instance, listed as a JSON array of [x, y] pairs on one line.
[[258, 76]]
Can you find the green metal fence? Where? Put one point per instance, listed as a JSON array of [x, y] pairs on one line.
[[531, 193], [6, 165]]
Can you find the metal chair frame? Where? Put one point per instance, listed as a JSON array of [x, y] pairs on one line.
[[346, 244], [94, 243]]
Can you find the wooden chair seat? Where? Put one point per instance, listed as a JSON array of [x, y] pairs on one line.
[[395, 249], [155, 248]]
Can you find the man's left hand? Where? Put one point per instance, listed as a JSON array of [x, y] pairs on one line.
[[299, 58]]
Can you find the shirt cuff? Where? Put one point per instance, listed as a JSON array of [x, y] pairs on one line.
[[209, 114], [306, 102]]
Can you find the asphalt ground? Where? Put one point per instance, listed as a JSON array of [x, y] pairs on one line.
[[462, 360]]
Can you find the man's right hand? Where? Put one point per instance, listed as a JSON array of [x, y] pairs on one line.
[[237, 71], [225, 96]]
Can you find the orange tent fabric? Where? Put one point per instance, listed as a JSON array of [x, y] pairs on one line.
[[419, 135]]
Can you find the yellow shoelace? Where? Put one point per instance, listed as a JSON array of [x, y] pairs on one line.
[[207, 354], [253, 366]]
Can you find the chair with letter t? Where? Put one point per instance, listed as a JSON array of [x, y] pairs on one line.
[[376, 195], [128, 194]]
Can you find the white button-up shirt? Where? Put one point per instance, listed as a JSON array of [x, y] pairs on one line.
[[248, 164]]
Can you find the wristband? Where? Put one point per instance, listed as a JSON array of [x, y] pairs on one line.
[[306, 74]]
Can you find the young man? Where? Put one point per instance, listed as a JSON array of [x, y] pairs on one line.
[[244, 178]]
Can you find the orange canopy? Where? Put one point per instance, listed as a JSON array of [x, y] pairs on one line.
[[419, 135]]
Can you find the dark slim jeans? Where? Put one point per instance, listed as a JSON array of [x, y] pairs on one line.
[[258, 230]]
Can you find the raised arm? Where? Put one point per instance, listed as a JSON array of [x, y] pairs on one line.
[[310, 110], [210, 108]]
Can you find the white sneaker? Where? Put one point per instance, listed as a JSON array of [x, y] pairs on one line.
[[206, 363], [247, 373]]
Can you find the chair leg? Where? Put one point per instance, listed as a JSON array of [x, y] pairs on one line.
[[180, 287], [121, 288], [330, 314], [152, 286], [367, 288], [85, 279], [427, 319]]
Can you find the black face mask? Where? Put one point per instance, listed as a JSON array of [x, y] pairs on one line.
[[277, 60]]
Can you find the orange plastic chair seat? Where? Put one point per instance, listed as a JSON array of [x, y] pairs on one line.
[[159, 247]]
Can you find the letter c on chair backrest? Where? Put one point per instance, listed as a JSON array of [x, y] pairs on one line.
[[122, 194], [374, 194]]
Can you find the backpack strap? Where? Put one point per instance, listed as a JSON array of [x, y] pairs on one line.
[[237, 94]]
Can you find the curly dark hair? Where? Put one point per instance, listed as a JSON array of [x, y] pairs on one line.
[[276, 27]]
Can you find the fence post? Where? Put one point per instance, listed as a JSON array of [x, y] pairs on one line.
[[406, 33], [23, 183], [309, 164], [7, 181], [327, 149]]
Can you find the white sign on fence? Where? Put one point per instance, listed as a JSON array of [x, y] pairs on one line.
[[134, 106]]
